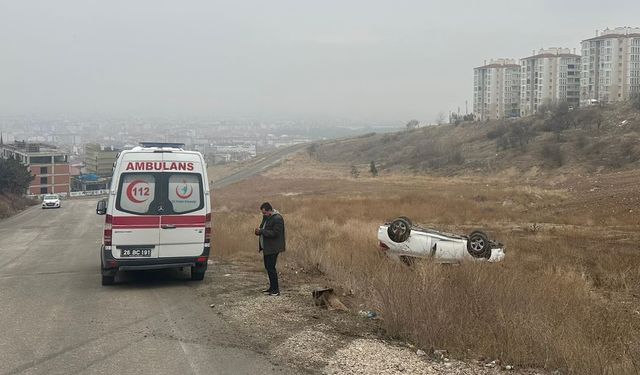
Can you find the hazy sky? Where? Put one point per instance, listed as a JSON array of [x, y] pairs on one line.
[[357, 59]]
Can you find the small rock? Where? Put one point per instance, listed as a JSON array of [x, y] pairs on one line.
[[421, 353], [508, 367], [368, 314], [441, 353], [212, 305]]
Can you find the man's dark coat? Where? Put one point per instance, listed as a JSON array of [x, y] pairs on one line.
[[273, 239]]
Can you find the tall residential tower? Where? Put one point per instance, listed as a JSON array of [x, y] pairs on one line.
[[610, 66], [550, 76], [496, 91]]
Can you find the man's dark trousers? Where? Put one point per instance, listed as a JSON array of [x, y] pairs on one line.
[[270, 266]]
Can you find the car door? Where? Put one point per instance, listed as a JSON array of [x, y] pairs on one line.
[[182, 225], [136, 220]]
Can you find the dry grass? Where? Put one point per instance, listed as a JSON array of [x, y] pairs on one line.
[[563, 299], [11, 204]]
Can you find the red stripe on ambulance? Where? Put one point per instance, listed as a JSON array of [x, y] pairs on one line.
[[154, 221]]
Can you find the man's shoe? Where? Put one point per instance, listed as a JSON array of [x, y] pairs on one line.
[[274, 293], [266, 291]]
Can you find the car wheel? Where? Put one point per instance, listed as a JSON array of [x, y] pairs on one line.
[[399, 230], [197, 275], [108, 280], [478, 245], [407, 220]]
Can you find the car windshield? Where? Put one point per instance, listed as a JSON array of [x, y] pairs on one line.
[[50, 197]]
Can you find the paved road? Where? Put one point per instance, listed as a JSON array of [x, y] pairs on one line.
[[56, 318], [261, 164]]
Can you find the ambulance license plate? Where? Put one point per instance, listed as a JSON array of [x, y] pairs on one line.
[[142, 252]]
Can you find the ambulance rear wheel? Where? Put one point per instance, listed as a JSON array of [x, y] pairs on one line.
[[197, 275], [108, 280]]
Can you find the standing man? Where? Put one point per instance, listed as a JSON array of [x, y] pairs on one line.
[[271, 243]]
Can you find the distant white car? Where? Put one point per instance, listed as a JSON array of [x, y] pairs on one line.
[[51, 201], [401, 240]]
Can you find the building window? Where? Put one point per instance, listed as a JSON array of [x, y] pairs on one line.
[[44, 170], [44, 190], [43, 180]]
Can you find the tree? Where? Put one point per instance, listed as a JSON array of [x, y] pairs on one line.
[[635, 101], [373, 169], [14, 177], [441, 118], [469, 117], [412, 124], [313, 150], [561, 108], [355, 173]]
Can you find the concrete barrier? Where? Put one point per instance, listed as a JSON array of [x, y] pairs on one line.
[[73, 194]]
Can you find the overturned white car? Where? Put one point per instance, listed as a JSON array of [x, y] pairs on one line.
[[401, 240]]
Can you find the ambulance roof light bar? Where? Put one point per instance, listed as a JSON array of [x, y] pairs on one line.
[[162, 144]]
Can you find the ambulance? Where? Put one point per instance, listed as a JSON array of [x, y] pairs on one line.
[[158, 213]]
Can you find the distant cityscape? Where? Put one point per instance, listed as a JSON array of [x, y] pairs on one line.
[[67, 155], [606, 70]]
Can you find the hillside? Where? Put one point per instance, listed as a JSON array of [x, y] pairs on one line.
[[583, 140], [10, 204]]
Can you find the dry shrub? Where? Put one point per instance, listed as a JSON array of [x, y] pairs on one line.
[[10, 204], [543, 319]]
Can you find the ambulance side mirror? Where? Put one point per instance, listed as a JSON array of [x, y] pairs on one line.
[[101, 207]]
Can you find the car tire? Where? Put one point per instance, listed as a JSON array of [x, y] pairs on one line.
[[478, 245], [197, 275], [108, 280], [399, 230], [407, 220]]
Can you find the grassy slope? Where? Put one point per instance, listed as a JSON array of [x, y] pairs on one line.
[[591, 139], [10, 204]]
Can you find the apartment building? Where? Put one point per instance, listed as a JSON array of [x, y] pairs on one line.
[[49, 165], [549, 76], [99, 159], [610, 66], [496, 92]]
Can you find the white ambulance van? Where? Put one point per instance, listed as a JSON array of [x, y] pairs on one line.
[[158, 214]]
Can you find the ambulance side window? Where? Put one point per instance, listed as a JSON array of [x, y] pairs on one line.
[[185, 192], [136, 192]]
